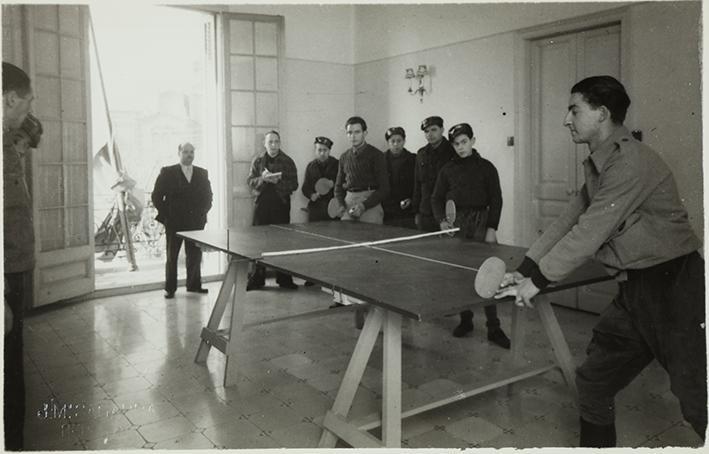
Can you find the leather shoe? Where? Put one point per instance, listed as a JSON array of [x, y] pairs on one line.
[[169, 295], [497, 336], [462, 329], [198, 290], [253, 284]]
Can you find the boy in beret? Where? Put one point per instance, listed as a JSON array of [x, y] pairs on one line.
[[323, 166], [400, 167], [473, 184], [429, 160]]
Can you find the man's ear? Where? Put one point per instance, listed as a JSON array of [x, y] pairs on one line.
[[472, 141], [604, 114], [9, 99]]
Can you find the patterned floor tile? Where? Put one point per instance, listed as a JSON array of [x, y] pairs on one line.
[[301, 435], [145, 414], [473, 430], [435, 439], [167, 428]]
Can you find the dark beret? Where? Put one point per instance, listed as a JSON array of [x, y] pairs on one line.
[[430, 121], [461, 128], [394, 131], [324, 141]]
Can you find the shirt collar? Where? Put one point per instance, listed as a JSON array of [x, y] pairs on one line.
[[359, 148], [186, 168], [604, 150]]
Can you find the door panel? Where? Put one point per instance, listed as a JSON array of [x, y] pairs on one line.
[[557, 63], [58, 50], [251, 56]]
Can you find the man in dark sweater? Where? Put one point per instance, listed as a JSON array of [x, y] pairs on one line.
[[362, 181], [183, 197], [400, 166], [429, 161], [473, 184]]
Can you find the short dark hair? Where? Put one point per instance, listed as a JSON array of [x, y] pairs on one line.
[[14, 79], [356, 120], [605, 91], [272, 131]]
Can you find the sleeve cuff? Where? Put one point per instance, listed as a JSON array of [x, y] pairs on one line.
[[526, 267], [529, 268], [539, 280]]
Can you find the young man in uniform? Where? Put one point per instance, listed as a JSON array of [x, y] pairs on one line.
[[630, 217], [429, 161], [472, 182]]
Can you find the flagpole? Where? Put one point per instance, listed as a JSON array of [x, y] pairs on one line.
[[115, 159]]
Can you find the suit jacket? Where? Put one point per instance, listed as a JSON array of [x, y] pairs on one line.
[[182, 205]]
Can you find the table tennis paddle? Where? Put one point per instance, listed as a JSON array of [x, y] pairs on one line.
[[323, 186], [450, 212], [489, 277], [333, 209]]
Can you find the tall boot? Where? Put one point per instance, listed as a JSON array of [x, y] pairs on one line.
[[596, 436], [466, 324]]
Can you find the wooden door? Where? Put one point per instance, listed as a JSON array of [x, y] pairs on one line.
[[252, 48], [557, 62], [57, 46]]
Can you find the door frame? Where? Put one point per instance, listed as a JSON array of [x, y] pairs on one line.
[[523, 197]]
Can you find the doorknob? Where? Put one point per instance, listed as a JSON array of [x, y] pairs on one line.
[[570, 192]]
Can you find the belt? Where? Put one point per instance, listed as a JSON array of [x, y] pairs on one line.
[[366, 188]]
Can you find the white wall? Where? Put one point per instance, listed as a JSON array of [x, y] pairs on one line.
[[383, 31], [318, 85], [472, 83], [473, 80], [665, 92]]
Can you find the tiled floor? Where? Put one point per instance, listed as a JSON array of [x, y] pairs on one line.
[[118, 373]]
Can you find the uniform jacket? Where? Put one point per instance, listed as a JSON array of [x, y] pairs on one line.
[[313, 172], [17, 211], [628, 215], [401, 182], [182, 205], [472, 183], [428, 163]]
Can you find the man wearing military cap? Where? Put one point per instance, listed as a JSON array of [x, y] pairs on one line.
[[429, 161], [630, 217]]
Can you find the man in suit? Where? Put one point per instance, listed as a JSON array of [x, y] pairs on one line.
[[182, 196]]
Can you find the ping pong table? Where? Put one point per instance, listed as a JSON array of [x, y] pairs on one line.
[[394, 280]]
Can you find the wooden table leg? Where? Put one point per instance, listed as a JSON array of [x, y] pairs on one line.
[[354, 372], [558, 341], [224, 298], [519, 320], [391, 382], [238, 308]]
